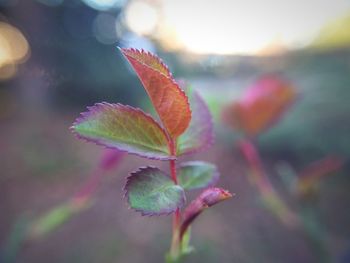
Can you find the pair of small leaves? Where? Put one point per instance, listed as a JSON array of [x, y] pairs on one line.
[[152, 192], [261, 105], [130, 129]]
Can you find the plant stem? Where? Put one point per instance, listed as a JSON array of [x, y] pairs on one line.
[[305, 221], [269, 196], [173, 170], [175, 243]]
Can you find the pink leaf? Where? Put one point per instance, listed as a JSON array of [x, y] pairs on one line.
[[206, 199], [200, 133], [262, 104]]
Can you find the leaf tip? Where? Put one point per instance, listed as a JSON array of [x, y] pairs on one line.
[[215, 195], [209, 197]]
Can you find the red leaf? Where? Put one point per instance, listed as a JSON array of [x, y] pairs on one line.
[[170, 102], [148, 59], [207, 198], [261, 105]]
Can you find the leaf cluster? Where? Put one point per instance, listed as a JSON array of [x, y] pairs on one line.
[[180, 131]]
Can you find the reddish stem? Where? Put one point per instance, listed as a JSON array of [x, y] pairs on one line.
[[175, 244], [253, 158], [108, 161], [173, 171], [264, 186], [89, 186]]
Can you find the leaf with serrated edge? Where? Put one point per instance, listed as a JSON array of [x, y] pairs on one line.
[[207, 198], [148, 59], [200, 133], [124, 128], [197, 175], [169, 100], [152, 192]]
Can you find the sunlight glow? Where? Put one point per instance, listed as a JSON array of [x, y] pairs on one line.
[[239, 26], [14, 49], [246, 27]]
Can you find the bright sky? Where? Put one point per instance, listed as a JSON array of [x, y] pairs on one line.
[[234, 26]]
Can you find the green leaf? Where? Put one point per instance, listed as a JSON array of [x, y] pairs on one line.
[[197, 175], [152, 192], [124, 128]]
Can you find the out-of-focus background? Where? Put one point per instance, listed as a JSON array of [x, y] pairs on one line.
[[59, 56]]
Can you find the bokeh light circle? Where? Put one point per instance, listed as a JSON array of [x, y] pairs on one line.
[[104, 5], [14, 49], [104, 28], [141, 17]]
